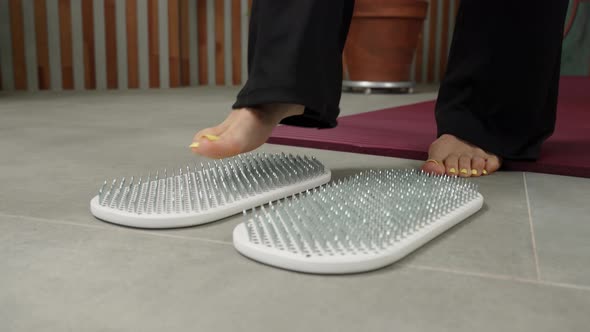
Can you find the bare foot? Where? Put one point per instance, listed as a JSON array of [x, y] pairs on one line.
[[242, 131], [455, 157]]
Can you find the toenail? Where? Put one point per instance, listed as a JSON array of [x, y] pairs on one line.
[[432, 161], [453, 170], [211, 137], [194, 145], [474, 171], [484, 172], [463, 171]]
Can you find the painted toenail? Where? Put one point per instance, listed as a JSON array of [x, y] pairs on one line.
[[211, 137], [432, 161], [463, 171], [484, 172], [453, 170], [474, 171], [194, 145]]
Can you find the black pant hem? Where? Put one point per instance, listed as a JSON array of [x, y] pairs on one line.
[[472, 131], [314, 116]]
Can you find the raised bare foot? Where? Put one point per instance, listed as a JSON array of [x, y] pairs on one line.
[[455, 157], [242, 131]]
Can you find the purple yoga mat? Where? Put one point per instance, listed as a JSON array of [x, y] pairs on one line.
[[407, 131]]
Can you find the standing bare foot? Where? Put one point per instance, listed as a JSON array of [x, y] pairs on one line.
[[452, 156], [242, 131]]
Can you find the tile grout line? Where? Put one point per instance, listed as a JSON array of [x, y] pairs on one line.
[[119, 229], [411, 266], [498, 277], [532, 229], [468, 273], [564, 285]]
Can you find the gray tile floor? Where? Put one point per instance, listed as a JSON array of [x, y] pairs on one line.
[[521, 264]]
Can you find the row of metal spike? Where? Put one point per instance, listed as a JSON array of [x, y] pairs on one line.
[[212, 185], [365, 213]]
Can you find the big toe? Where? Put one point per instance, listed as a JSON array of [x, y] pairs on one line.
[[492, 164], [212, 132], [217, 147], [202, 141], [433, 166]]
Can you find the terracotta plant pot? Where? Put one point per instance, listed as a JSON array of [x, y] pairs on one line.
[[382, 40]]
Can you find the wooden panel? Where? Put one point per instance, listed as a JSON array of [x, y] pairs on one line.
[[100, 61], [43, 71], [236, 43], [432, 41], [77, 44], [202, 38], [88, 37], [110, 30], [18, 44], [122, 44], [65, 40], [444, 42], [185, 69], [219, 43], [153, 42], [132, 45], [174, 43]]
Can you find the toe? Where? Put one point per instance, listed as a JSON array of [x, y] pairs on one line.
[[493, 163], [436, 156], [433, 166], [465, 166], [210, 143], [218, 147], [452, 165], [477, 166], [204, 136], [208, 132]]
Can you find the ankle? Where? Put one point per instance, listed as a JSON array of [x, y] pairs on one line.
[[278, 112], [273, 113], [292, 109]]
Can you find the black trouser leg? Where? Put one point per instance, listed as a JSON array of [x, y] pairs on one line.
[[295, 56], [500, 89]]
